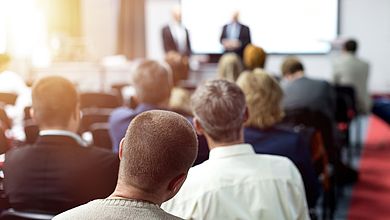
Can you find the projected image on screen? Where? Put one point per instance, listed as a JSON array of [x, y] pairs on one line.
[[279, 26]]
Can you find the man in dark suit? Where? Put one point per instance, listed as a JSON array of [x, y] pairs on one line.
[[235, 36], [175, 36], [59, 171]]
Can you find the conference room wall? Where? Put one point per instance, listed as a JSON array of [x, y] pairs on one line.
[[366, 20]]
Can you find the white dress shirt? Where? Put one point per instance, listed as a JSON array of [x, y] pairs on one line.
[[70, 134], [179, 34], [236, 183]]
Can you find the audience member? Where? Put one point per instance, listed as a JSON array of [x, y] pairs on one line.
[[254, 57], [180, 97], [235, 36], [263, 97], [175, 36], [235, 183], [179, 65], [152, 82], [303, 92], [59, 171], [229, 67], [11, 82], [156, 154], [349, 70]]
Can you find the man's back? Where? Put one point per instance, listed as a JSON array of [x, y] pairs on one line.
[[303, 92], [351, 71], [57, 174], [235, 183], [116, 209]]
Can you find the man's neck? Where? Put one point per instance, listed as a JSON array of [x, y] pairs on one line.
[[123, 191], [295, 76], [215, 144]]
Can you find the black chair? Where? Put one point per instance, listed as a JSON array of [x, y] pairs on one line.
[[100, 135], [346, 111], [99, 100], [8, 98], [324, 125], [11, 214], [317, 120]]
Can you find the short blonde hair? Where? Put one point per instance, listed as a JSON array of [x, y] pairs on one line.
[[229, 67], [263, 96]]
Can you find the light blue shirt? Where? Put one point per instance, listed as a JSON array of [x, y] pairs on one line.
[[233, 30]]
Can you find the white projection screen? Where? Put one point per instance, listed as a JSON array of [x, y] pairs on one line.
[[279, 26]]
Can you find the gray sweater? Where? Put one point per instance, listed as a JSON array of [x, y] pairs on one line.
[[116, 209]]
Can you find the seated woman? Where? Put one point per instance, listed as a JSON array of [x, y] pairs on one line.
[[229, 67], [263, 96]]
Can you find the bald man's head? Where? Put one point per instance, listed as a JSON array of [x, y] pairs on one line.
[[158, 146]]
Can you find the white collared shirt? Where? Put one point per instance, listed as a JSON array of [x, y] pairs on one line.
[[236, 183], [73, 135], [179, 35]]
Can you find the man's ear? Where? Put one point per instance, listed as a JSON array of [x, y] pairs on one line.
[[198, 127], [246, 115], [176, 183], [121, 148]]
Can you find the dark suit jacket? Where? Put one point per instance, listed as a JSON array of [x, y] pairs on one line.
[[285, 142], [170, 43], [56, 174], [316, 95], [244, 38]]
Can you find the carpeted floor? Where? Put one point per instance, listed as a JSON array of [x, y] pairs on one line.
[[371, 194]]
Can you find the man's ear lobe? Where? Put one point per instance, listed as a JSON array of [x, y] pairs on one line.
[[246, 115], [198, 126], [121, 148], [176, 183]]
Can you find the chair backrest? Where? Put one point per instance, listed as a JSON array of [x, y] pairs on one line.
[[8, 98], [100, 135], [4, 143], [99, 100], [31, 130], [11, 214], [318, 120], [345, 103], [4, 119], [91, 116]]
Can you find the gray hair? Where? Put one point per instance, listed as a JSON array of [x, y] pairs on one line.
[[219, 106], [152, 82]]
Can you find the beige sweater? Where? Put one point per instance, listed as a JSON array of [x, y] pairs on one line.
[[116, 209]]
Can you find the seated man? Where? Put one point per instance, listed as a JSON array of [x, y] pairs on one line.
[[302, 92], [153, 85], [59, 171], [235, 183], [156, 154], [152, 82]]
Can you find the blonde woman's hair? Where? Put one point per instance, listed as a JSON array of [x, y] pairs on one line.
[[229, 67], [263, 97]]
